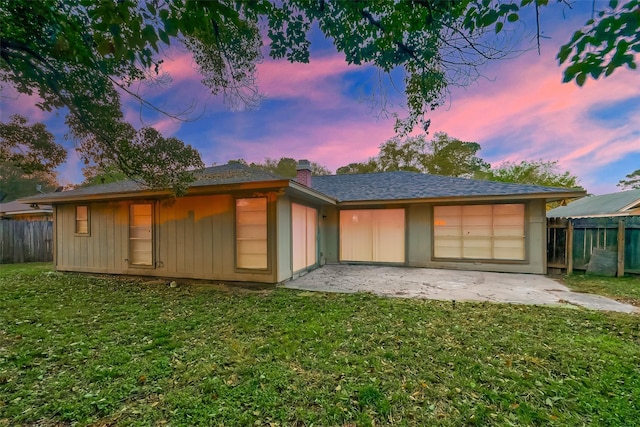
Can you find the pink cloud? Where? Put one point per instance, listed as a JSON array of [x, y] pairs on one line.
[[319, 81], [534, 116], [12, 102]]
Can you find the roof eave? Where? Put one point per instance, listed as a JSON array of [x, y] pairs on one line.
[[548, 197], [310, 192], [192, 191]]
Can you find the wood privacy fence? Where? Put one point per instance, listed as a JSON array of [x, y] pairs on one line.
[[26, 241], [570, 242]]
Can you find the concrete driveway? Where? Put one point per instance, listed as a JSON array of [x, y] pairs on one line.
[[407, 282]]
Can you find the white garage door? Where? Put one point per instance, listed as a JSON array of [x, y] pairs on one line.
[[372, 235]]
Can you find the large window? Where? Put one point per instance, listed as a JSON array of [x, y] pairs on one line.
[[251, 233], [141, 235], [479, 232], [304, 236], [372, 235], [82, 220]]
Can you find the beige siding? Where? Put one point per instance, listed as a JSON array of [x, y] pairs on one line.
[[329, 237], [284, 239], [193, 238]]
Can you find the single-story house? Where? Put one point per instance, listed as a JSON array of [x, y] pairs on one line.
[[623, 203], [237, 223], [26, 212]]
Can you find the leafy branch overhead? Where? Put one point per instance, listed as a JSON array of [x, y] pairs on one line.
[[30, 148], [82, 56]]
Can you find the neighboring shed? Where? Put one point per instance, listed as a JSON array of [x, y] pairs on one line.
[[606, 224], [28, 212], [624, 203]]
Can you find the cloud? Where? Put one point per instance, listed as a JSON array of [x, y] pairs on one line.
[[527, 113], [320, 81], [12, 102]]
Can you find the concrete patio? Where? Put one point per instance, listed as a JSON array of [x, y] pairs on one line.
[[407, 282]]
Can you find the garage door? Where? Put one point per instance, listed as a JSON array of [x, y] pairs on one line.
[[372, 235]]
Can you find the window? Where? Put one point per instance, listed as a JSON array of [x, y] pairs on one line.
[[251, 233], [372, 235], [479, 232], [141, 235], [82, 220], [304, 236]]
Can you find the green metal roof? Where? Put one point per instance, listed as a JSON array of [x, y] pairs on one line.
[[613, 204]]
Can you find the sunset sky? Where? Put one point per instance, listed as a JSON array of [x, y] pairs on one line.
[[321, 111]]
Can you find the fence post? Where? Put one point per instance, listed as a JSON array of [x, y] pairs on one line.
[[621, 245], [569, 246]]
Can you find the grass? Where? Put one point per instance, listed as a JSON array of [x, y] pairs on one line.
[[624, 289], [110, 351]]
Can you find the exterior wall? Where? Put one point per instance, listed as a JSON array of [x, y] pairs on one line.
[[419, 241], [420, 246], [329, 235], [194, 237], [284, 239]]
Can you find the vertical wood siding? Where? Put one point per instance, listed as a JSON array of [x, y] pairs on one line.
[[26, 241], [193, 238]]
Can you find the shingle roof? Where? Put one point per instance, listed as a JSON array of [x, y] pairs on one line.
[[607, 204], [228, 174], [345, 188], [413, 185]]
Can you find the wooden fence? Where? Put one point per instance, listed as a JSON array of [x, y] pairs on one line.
[[580, 236], [26, 241]]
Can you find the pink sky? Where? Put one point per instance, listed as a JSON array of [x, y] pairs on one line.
[[320, 111]]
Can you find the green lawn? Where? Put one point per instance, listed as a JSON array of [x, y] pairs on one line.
[[624, 289], [109, 351]]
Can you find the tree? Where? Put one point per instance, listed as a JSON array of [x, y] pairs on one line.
[[285, 166], [369, 166], [546, 173], [442, 155], [631, 182], [81, 56], [15, 183], [101, 174], [31, 148]]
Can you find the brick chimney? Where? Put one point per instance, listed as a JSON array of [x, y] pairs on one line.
[[304, 172]]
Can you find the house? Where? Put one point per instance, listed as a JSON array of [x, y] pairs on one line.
[[624, 203], [237, 223], [27, 212]]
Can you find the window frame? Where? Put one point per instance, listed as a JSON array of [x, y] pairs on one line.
[[267, 239], [152, 236], [314, 223], [493, 260], [87, 219], [374, 239]]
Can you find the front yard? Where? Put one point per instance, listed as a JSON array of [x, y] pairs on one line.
[[109, 351]]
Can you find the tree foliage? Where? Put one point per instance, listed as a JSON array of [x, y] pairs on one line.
[[545, 173], [15, 183], [608, 41], [631, 181], [442, 155], [284, 166], [81, 56], [31, 148], [101, 174]]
